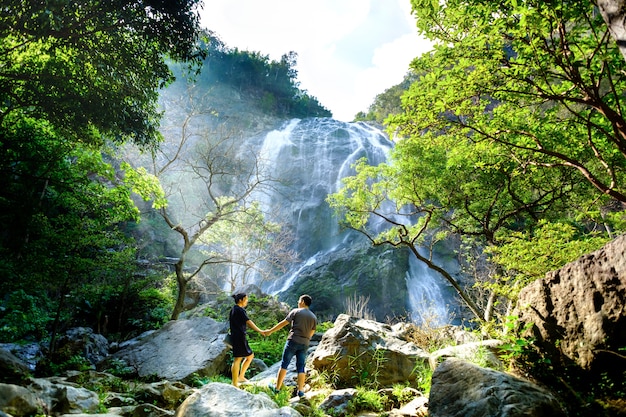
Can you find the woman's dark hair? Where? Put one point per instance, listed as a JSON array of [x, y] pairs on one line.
[[239, 296]]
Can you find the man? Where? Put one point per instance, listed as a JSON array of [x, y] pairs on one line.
[[303, 324]]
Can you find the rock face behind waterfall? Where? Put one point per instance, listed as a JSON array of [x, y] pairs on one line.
[[375, 273]]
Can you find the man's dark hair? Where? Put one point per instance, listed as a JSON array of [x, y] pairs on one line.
[[306, 299]]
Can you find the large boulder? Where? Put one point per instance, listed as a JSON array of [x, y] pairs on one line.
[[357, 348], [59, 396], [12, 369], [218, 399], [49, 396], [484, 350], [177, 351], [460, 389], [578, 313], [18, 401], [83, 341], [29, 353]]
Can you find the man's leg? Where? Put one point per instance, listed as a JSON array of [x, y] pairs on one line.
[[301, 379], [280, 377], [288, 353], [300, 365]]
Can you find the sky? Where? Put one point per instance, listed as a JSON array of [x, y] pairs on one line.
[[348, 50]]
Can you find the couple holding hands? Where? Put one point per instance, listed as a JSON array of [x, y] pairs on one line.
[[303, 323]]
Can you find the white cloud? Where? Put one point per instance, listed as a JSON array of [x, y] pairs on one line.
[[348, 50]]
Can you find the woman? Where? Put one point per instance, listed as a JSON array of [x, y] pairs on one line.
[[239, 323]]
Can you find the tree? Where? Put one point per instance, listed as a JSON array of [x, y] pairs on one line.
[[251, 245], [76, 78], [273, 83], [541, 79], [210, 181], [514, 117], [613, 12], [377, 194], [93, 67]]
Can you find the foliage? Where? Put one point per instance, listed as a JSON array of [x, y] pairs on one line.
[[92, 67], [198, 381], [22, 316], [423, 376], [387, 103], [119, 369], [514, 118], [514, 347], [365, 400], [366, 367], [272, 83], [527, 256], [144, 184], [74, 362], [77, 78], [281, 398], [539, 81], [203, 183], [253, 245]]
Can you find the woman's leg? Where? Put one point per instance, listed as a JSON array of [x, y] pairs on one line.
[[246, 363], [234, 370]]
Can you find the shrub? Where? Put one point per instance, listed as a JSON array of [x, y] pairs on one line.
[[365, 400], [24, 316]]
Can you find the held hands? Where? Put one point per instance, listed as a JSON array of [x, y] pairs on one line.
[[266, 332]]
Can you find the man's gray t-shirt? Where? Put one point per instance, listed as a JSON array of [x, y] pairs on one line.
[[303, 321]]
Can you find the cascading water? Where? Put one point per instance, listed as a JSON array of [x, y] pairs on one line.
[[310, 157], [426, 299]]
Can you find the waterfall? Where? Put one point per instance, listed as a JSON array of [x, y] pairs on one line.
[[426, 299], [310, 157]]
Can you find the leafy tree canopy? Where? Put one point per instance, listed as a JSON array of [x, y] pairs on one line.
[[514, 117], [387, 102], [76, 78], [541, 80]]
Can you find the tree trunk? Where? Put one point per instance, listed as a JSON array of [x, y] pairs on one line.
[[182, 290], [614, 14]]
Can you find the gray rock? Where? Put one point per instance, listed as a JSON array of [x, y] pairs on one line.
[[18, 401], [165, 394], [578, 312], [28, 353], [355, 347], [337, 402], [82, 340], [222, 400], [484, 351], [12, 369], [461, 389], [180, 349], [62, 397]]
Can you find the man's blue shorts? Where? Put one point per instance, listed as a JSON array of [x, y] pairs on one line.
[[297, 349]]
